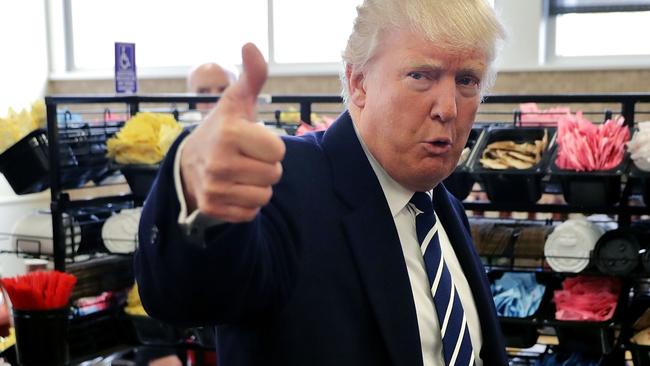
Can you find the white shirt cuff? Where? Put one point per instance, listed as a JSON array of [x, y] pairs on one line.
[[194, 224]]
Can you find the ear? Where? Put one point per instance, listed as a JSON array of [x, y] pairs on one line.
[[356, 87]]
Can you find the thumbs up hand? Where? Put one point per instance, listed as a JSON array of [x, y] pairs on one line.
[[229, 163]]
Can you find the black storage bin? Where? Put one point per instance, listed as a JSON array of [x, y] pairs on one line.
[[522, 332], [460, 182], [512, 185], [26, 164], [140, 178], [588, 337], [590, 189], [640, 354]]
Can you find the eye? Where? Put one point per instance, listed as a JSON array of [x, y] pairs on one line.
[[416, 75], [203, 91], [468, 80]]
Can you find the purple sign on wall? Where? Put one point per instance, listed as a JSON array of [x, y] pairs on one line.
[[125, 76]]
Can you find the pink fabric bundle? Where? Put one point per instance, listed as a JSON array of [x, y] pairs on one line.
[[531, 115], [587, 298], [584, 146]]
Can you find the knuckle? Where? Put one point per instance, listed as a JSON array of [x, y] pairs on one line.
[[267, 193], [277, 173], [223, 168], [282, 150], [219, 192]]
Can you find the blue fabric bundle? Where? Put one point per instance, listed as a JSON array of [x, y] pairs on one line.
[[517, 295]]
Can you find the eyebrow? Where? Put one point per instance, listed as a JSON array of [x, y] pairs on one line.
[[473, 68]]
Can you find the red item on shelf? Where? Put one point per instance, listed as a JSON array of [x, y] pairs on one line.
[[40, 290], [587, 298], [584, 146], [531, 115]]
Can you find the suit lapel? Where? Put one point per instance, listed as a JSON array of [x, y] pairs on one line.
[[374, 242], [450, 217]]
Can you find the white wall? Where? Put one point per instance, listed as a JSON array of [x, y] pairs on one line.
[[524, 48], [23, 79], [23, 64], [23, 59]]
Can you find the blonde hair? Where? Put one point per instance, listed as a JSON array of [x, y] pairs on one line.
[[455, 25]]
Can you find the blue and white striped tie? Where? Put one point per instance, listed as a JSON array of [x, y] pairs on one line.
[[456, 342]]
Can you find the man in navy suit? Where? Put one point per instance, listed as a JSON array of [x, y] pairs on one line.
[[318, 250]]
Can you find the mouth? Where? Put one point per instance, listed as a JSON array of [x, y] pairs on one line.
[[438, 146]]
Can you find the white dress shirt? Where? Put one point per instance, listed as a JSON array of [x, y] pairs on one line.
[[404, 217]]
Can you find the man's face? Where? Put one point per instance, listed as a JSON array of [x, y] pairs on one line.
[[208, 79], [415, 106]]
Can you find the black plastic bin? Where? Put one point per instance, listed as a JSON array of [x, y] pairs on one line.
[[640, 354], [589, 337], [460, 182], [522, 332], [41, 337], [140, 178], [26, 164], [512, 185], [595, 189]]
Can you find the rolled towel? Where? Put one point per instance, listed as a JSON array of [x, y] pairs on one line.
[[568, 247]]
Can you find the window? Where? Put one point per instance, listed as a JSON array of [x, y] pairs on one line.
[[311, 31], [166, 33], [599, 28], [170, 34]]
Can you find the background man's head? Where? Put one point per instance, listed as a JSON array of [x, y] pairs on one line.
[[209, 78]]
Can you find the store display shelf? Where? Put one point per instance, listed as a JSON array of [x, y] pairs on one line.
[[554, 208], [84, 142]]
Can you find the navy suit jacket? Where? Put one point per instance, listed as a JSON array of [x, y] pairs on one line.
[[317, 278]]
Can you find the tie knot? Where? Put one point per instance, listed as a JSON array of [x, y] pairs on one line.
[[422, 201]]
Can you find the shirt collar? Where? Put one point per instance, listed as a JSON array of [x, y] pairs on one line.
[[397, 195]]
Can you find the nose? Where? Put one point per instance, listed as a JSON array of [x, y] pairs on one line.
[[444, 107]]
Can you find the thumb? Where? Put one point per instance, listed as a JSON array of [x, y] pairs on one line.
[[241, 98]]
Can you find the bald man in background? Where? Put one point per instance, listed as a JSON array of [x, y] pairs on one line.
[[209, 78]]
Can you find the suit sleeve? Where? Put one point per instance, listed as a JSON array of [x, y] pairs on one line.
[[238, 271]]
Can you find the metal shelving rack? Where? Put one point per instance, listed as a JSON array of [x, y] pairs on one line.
[[61, 202]]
